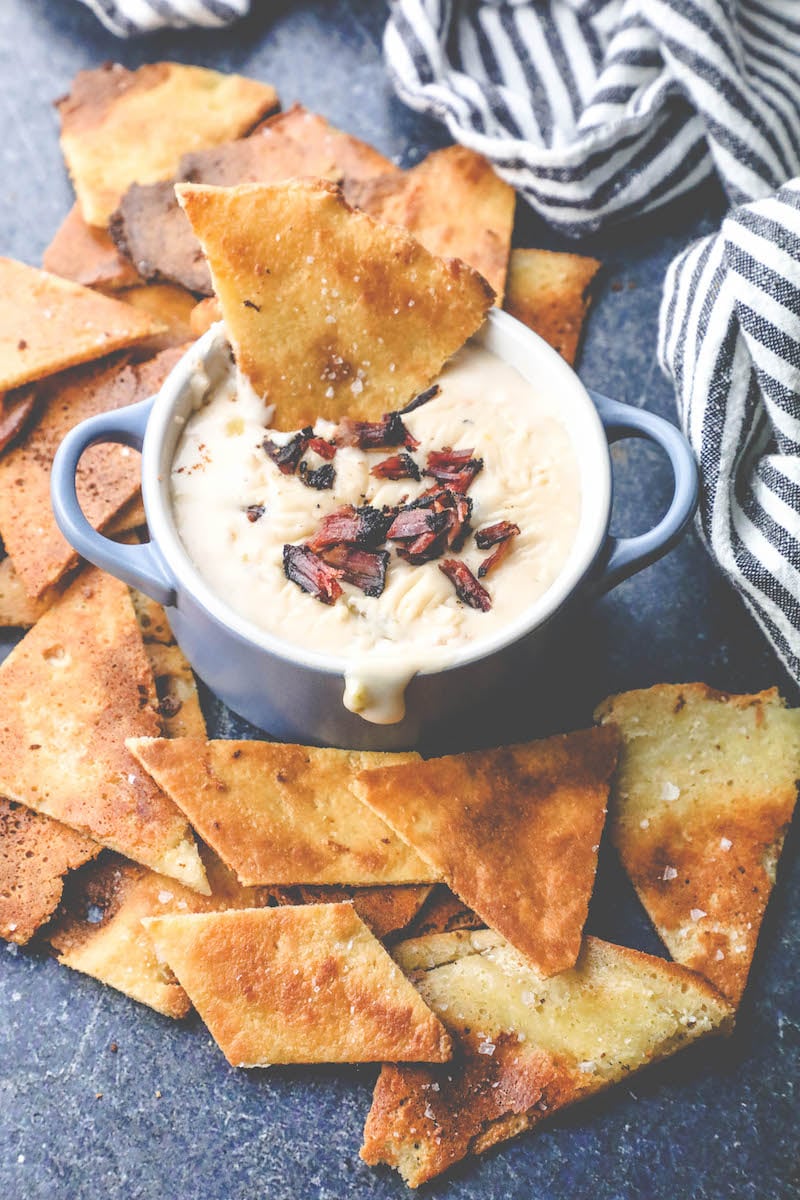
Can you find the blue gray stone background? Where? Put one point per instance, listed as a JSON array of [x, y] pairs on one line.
[[163, 1116]]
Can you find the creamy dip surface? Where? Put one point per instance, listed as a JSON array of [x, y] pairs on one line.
[[530, 477]]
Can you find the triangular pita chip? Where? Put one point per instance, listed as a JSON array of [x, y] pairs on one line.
[[304, 984], [120, 127], [549, 292], [454, 204], [178, 702], [328, 311], [703, 796], [35, 855], [70, 692], [514, 832], [17, 409], [17, 610], [280, 814], [525, 1046], [48, 324], [107, 477], [170, 305], [152, 230], [442, 912], [385, 909], [87, 255], [353, 159], [98, 929]]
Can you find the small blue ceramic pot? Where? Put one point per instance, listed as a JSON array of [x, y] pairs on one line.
[[296, 694]]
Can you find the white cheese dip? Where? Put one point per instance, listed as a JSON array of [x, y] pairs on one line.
[[530, 477]]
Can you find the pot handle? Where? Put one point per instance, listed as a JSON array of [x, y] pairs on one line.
[[625, 556], [138, 566]]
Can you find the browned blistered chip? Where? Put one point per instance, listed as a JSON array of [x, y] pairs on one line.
[[48, 323], [281, 814], [386, 910], [704, 793], [178, 702], [549, 292], [70, 692], [35, 855], [153, 231], [87, 255], [442, 912], [454, 203], [108, 476], [525, 1046], [98, 928], [514, 832], [297, 985], [329, 312], [352, 158], [120, 127]]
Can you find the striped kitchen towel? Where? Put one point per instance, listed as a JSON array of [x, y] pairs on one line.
[[126, 18]]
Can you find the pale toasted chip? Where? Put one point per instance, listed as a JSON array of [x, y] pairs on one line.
[[35, 855], [87, 255], [454, 204], [48, 324], [328, 311], [17, 409], [204, 315], [98, 929], [386, 910], [353, 159], [70, 692], [442, 912], [170, 305], [514, 832], [280, 814], [120, 127], [178, 702], [525, 1046], [17, 610], [299, 984], [704, 793], [549, 292], [108, 476], [152, 619]]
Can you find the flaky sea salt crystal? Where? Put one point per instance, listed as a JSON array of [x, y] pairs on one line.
[[165, 897], [487, 1047], [644, 823], [356, 387], [725, 843], [669, 792], [587, 1065], [669, 873], [697, 914], [719, 955]]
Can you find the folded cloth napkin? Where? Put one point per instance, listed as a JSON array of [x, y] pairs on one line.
[[126, 18]]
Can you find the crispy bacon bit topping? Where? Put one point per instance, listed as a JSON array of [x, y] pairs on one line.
[[431, 524], [375, 435], [321, 478], [453, 469], [254, 512], [421, 399], [413, 522], [399, 466], [468, 590], [364, 527], [287, 457], [501, 531], [365, 569], [305, 568], [324, 449], [495, 558]]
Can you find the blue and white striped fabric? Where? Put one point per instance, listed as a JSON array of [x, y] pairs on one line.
[[127, 18], [730, 339]]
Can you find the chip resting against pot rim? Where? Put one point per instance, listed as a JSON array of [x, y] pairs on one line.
[[298, 985], [329, 312]]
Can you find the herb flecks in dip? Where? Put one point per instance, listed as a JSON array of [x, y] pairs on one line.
[[388, 610]]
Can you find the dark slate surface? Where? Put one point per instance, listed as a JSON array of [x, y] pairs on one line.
[[173, 1121]]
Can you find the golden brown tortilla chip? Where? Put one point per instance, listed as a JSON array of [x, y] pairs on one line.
[[514, 832], [454, 204], [98, 929], [525, 1047], [17, 610], [549, 293], [280, 814], [120, 127], [385, 909], [108, 476], [152, 619], [87, 255], [352, 158], [48, 324], [380, 315], [17, 409], [70, 692], [701, 802], [170, 305], [35, 855], [442, 912], [301, 984], [178, 702]]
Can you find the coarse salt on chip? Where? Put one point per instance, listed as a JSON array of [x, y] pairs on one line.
[[282, 814], [303, 984], [329, 312], [48, 323], [549, 292], [120, 127], [704, 793], [514, 832]]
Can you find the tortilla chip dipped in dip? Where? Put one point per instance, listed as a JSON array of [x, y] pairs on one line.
[[360, 482]]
